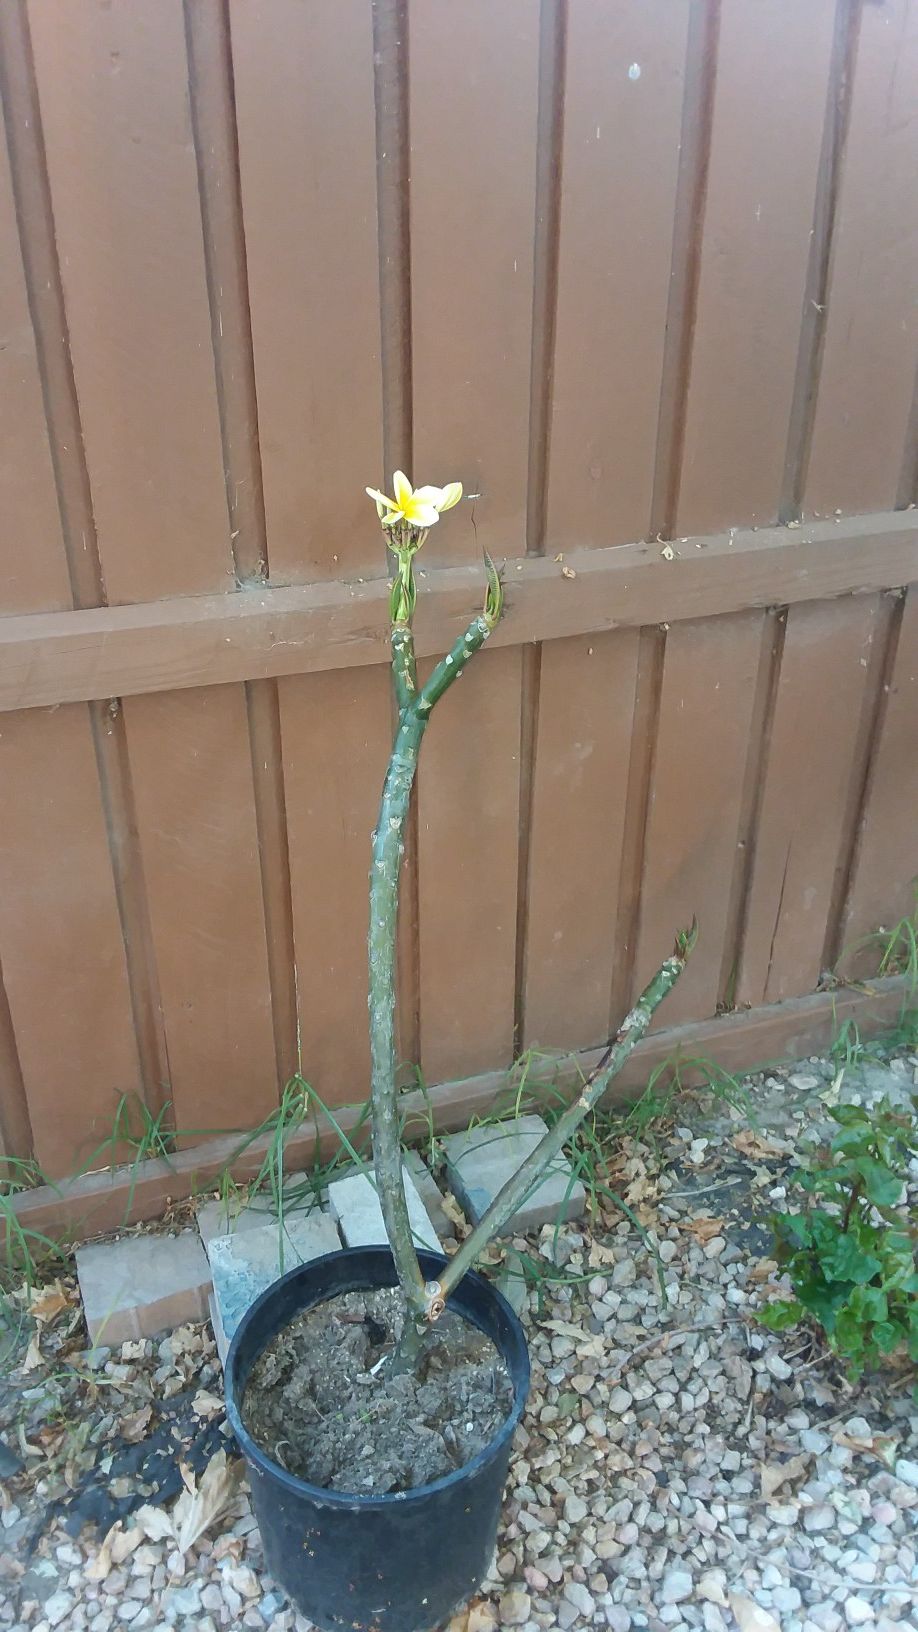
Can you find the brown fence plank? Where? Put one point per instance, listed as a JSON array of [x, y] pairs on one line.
[[820, 695], [585, 718], [886, 867], [770, 96], [709, 676], [307, 155], [871, 343], [625, 66], [472, 211], [468, 821], [192, 774], [335, 730], [113, 92], [60, 939], [35, 575]]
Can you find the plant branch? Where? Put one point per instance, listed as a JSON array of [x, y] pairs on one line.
[[388, 850], [629, 1033], [404, 667]]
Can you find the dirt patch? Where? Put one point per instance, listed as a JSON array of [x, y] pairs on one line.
[[313, 1405]]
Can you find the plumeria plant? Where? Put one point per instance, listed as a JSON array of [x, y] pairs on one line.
[[406, 521]]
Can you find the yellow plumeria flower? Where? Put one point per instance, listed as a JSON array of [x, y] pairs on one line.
[[419, 506]]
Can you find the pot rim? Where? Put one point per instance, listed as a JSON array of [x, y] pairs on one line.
[[253, 1452]]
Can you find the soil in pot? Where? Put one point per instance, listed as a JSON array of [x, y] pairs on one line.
[[315, 1407]]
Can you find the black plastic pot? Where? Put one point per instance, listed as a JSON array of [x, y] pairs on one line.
[[400, 1563]]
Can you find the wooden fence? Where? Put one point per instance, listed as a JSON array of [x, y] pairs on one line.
[[643, 275]]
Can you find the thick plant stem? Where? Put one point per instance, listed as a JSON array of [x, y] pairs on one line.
[[404, 668], [388, 849], [515, 1190]]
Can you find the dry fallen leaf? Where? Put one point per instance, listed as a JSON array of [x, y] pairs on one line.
[[134, 1427], [600, 1255], [775, 1474], [154, 1523], [47, 1304], [206, 1405], [752, 1617], [704, 1229], [755, 1145], [881, 1446], [202, 1504], [125, 1543], [453, 1211], [32, 1354], [99, 1568]]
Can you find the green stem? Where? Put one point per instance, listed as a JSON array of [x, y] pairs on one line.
[[515, 1190], [404, 667], [388, 849]]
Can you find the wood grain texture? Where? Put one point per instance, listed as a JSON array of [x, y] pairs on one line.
[[168, 645], [307, 156], [766, 140], [59, 917], [871, 344], [192, 774], [113, 92], [616, 242], [584, 729], [781, 1032], [809, 764], [468, 825], [886, 862], [473, 165], [335, 730], [709, 676], [34, 574]]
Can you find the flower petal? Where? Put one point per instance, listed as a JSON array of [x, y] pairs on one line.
[[402, 489], [392, 518], [422, 515], [451, 494], [430, 495], [380, 498]]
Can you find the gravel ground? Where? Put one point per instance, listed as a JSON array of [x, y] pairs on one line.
[[678, 1466]]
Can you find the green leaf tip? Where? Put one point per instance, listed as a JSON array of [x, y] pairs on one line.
[[686, 938], [494, 595]]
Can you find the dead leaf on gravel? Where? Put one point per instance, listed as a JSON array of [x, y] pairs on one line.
[[752, 1617], [480, 1616], [453, 1211], [125, 1543], [755, 1145], [203, 1503], [763, 1270], [881, 1446], [589, 1347], [134, 1427], [99, 1568], [32, 1354], [206, 1405], [600, 1255], [48, 1303], [153, 1523], [704, 1229], [775, 1474]]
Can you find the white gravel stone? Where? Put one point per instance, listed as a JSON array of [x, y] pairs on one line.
[[857, 1611], [907, 1472], [582, 1600], [677, 1586]]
